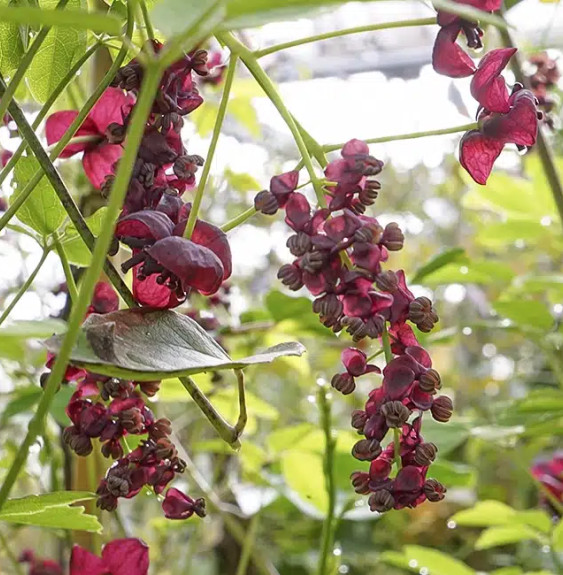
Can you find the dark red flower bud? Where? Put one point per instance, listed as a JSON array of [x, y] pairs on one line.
[[434, 490], [299, 244], [116, 388], [149, 388], [132, 420], [360, 482], [177, 505], [118, 485], [112, 448], [369, 193], [387, 281], [290, 275], [106, 500], [115, 133], [381, 501], [359, 419], [283, 186], [344, 383], [396, 414], [442, 409], [165, 449], [356, 327], [425, 454], [198, 60], [105, 299], [422, 314], [313, 262], [366, 449], [329, 308], [160, 428], [79, 443], [266, 203], [430, 381], [375, 325], [393, 238]]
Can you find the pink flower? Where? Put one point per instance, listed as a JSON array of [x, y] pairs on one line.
[[99, 155], [120, 557], [177, 505]]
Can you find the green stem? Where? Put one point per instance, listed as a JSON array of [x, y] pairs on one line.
[[135, 133], [18, 567], [329, 524], [373, 356], [397, 448], [46, 107], [63, 194], [24, 64], [192, 218], [61, 145], [70, 283], [544, 149], [250, 61], [345, 32], [79, 140], [386, 345], [147, 20], [24, 287], [248, 545], [226, 432], [240, 219], [409, 136]]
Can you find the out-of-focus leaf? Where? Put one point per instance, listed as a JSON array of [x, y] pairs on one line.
[[480, 272], [453, 474], [303, 473], [243, 110], [42, 210], [241, 182], [204, 118], [557, 537], [438, 262], [504, 535], [52, 510], [448, 437], [116, 344], [504, 234], [485, 514], [59, 404], [27, 329], [61, 48], [435, 561], [527, 313], [188, 17], [75, 249], [11, 45], [22, 401]]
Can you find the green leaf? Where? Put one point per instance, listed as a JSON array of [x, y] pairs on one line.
[[437, 262], [74, 247], [310, 486], [68, 19], [243, 110], [534, 518], [504, 535], [51, 510], [27, 329], [436, 562], [480, 272], [42, 210], [485, 514], [453, 474], [557, 537], [60, 49], [175, 17], [448, 437], [204, 118], [241, 182], [11, 46], [22, 401], [528, 313], [116, 344]]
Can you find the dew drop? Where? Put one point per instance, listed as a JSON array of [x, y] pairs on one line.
[[337, 551], [452, 524], [344, 569], [464, 270], [545, 549], [466, 331], [413, 563], [424, 571], [546, 221], [311, 398]]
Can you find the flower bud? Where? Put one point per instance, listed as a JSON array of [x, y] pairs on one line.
[[393, 238], [422, 314], [113, 449], [313, 262], [266, 203], [359, 419], [79, 443], [360, 482], [117, 486], [199, 62], [165, 449], [299, 244], [374, 326], [149, 388], [396, 414], [387, 281], [434, 490], [132, 420], [425, 454], [356, 327], [369, 193], [430, 381], [381, 501], [329, 308], [290, 275], [344, 383], [115, 133], [366, 449], [442, 409], [116, 388], [160, 428]]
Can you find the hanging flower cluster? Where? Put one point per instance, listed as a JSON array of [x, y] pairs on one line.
[[542, 82], [339, 254], [503, 117]]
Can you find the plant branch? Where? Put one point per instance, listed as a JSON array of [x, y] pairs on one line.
[[192, 218], [135, 133], [70, 284], [250, 61], [243, 416], [345, 32], [147, 20], [25, 62], [25, 286], [329, 524], [544, 149], [248, 544], [409, 136], [240, 219], [63, 194]]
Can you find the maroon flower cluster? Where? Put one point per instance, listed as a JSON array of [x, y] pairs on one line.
[[38, 566], [166, 266], [544, 78], [550, 473], [339, 255]]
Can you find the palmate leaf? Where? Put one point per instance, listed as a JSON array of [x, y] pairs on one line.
[[145, 345]]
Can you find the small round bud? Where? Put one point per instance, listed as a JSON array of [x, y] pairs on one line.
[[290, 275], [422, 314], [366, 450], [381, 501], [360, 482], [299, 244], [387, 281], [344, 383], [430, 381], [396, 414], [393, 238], [356, 327], [313, 262], [434, 490], [425, 454], [266, 203], [329, 308], [442, 409], [359, 419]]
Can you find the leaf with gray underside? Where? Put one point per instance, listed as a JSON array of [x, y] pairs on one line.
[[145, 345]]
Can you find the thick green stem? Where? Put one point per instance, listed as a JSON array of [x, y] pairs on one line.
[[345, 32], [248, 545], [63, 194], [24, 287], [409, 136], [46, 107], [147, 20], [250, 61], [70, 284], [329, 525], [544, 149], [240, 219], [24, 64], [212, 147], [134, 135]]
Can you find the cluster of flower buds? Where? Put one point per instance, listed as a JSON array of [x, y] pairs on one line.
[[39, 566], [544, 78], [503, 117], [339, 255], [550, 473]]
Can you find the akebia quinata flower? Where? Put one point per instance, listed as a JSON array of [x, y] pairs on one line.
[[119, 557]]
